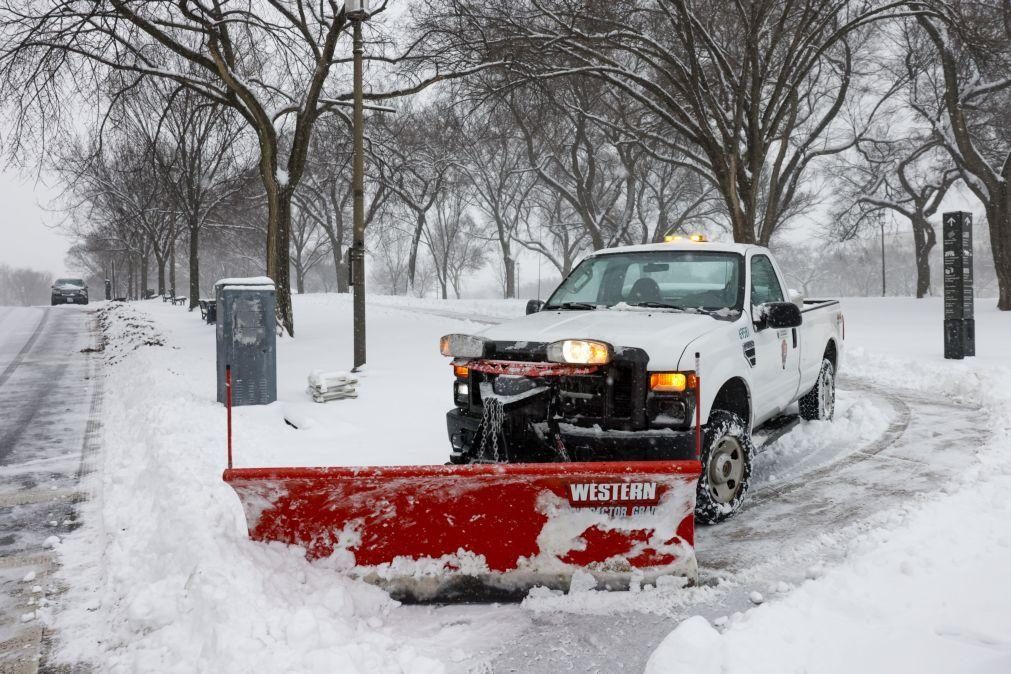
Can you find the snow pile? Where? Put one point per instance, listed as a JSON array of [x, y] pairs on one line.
[[179, 587], [859, 418], [125, 329]]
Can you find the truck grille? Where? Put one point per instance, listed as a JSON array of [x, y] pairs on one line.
[[612, 396]]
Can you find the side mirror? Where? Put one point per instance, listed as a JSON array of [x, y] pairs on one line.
[[533, 306], [780, 315]]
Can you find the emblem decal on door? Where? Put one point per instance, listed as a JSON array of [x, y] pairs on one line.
[[784, 348], [749, 352]]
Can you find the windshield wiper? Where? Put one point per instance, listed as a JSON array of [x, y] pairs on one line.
[[579, 306], [657, 305]]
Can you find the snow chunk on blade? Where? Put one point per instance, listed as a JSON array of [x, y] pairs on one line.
[[481, 531]]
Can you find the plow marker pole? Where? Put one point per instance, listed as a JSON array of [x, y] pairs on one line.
[[698, 409], [228, 407]]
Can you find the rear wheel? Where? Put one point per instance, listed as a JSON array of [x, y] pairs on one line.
[[818, 404], [726, 467]]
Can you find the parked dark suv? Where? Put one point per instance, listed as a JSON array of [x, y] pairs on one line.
[[69, 291]]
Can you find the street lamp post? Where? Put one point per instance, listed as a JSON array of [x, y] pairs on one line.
[[357, 11]]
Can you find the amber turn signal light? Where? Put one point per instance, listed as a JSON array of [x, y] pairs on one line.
[[669, 382]]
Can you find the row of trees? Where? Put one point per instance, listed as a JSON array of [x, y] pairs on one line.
[[559, 127], [21, 286]]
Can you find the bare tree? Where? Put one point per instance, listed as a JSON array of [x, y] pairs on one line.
[[967, 102], [391, 249], [673, 200], [593, 166], [205, 167], [420, 155], [20, 286], [453, 238], [271, 62], [325, 193], [748, 95], [553, 231], [308, 244], [495, 161], [906, 176], [117, 193]]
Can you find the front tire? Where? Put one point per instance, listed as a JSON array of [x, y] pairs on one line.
[[726, 467], [818, 404]]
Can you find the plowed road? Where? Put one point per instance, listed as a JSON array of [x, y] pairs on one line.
[[49, 397]]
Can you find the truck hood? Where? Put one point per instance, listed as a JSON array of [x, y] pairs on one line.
[[662, 334]]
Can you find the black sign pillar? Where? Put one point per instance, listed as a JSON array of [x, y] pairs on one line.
[[959, 325]]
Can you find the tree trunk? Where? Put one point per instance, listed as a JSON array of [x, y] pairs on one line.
[[924, 239], [144, 261], [510, 273], [339, 264], [412, 262], [160, 261], [172, 264], [130, 265], [342, 272], [194, 265], [278, 255], [998, 214], [299, 278]]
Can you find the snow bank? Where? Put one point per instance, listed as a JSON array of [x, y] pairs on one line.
[[162, 576], [933, 595]]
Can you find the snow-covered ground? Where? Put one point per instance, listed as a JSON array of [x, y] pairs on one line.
[[163, 577], [930, 593]]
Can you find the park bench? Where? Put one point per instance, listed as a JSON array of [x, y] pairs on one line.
[[208, 310]]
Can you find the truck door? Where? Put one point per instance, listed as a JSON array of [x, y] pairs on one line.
[[777, 352]]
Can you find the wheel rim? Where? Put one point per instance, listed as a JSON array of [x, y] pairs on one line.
[[726, 469], [826, 394]]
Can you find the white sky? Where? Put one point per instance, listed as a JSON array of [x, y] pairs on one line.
[[25, 240]]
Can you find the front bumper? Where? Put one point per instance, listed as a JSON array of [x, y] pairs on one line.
[[74, 298], [578, 443]]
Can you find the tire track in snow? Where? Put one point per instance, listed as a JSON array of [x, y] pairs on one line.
[[18, 359], [784, 530], [891, 435]]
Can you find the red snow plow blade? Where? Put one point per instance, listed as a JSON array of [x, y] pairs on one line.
[[438, 532]]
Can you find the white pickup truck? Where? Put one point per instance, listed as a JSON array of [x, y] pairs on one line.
[[611, 366]]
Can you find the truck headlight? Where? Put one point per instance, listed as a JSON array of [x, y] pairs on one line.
[[580, 351], [462, 346]]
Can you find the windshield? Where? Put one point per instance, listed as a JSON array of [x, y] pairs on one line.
[[676, 279], [69, 282]]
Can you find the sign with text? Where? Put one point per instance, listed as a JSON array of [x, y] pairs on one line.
[[959, 328]]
